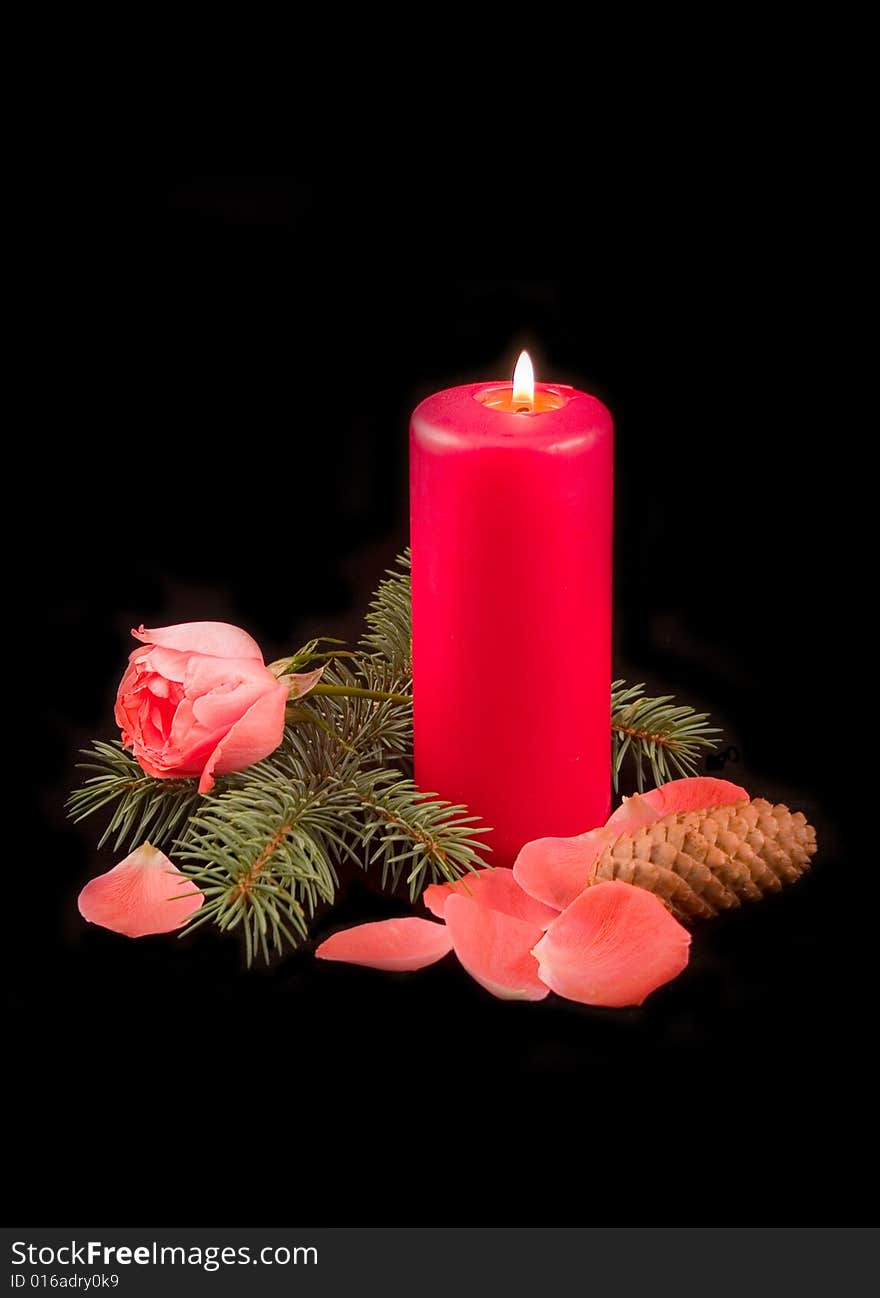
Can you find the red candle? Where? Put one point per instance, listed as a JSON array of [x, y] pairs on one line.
[[511, 509]]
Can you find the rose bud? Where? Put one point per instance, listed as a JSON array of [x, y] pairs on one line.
[[198, 700]]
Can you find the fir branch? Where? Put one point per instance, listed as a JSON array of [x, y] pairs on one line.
[[379, 808], [143, 807], [376, 729], [264, 851], [404, 829], [263, 855], [306, 758], [666, 736], [389, 618]]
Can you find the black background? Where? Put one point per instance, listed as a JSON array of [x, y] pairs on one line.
[[235, 360]]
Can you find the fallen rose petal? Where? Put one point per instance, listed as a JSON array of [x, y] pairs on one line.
[[495, 949], [392, 944], [690, 794], [133, 897], [497, 889], [632, 814], [555, 870], [220, 639], [613, 946]]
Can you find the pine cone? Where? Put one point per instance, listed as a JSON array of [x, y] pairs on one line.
[[702, 862]]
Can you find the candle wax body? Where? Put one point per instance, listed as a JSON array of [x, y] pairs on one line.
[[511, 524]]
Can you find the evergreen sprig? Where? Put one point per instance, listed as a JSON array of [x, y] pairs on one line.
[[374, 728], [143, 808], [265, 846], [263, 855], [415, 834], [389, 618], [669, 737]]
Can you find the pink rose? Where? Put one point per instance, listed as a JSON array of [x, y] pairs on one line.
[[198, 700]]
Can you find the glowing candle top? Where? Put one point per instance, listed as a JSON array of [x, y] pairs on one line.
[[523, 396]]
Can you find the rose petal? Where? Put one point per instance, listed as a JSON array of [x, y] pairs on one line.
[[121, 709], [133, 897], [496, 889], [555, 870], [220, 639], [495, 949], [393, 944], [255, 736], [613, 946], [222, 690], [632, 814], [155, 660], [689, 794]]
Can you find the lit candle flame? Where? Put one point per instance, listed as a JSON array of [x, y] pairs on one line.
[[524, 381]]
